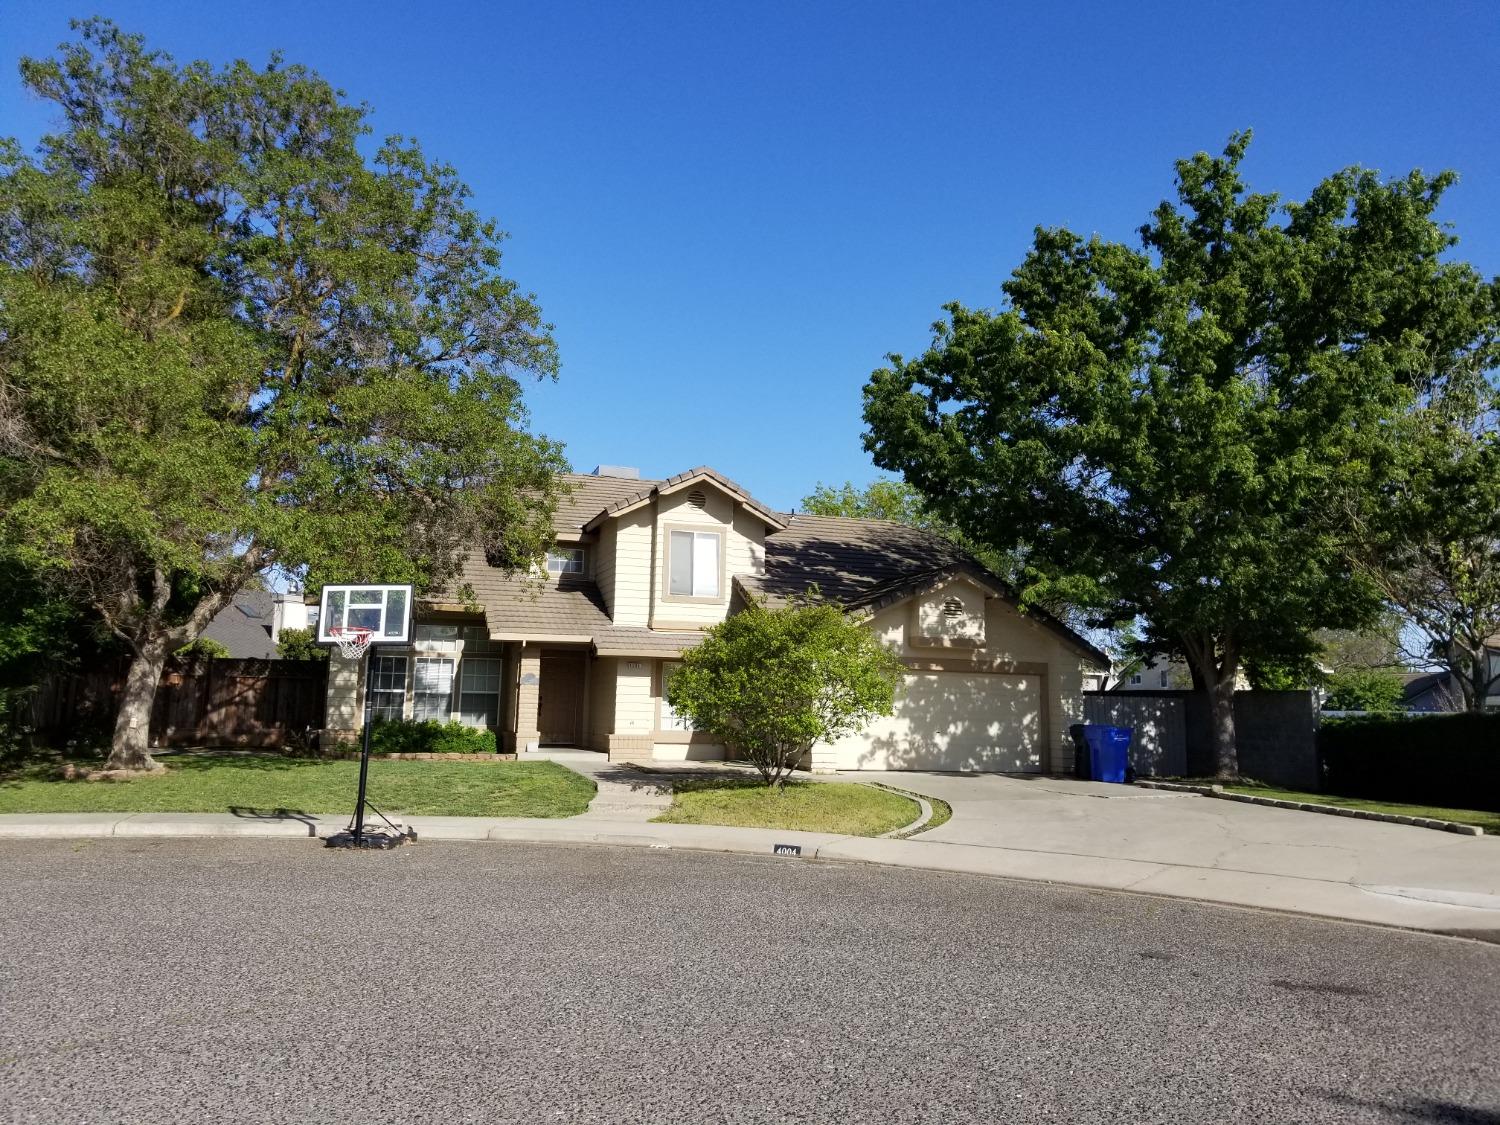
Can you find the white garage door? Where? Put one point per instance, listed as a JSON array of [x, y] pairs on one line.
[[954, 721]]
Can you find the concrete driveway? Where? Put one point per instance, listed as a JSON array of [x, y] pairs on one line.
[[1062, 817]]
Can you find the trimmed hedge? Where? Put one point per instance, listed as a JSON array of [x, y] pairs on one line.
[[429, 737], [1442, 760]]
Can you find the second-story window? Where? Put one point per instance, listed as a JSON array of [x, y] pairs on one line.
[[694, 564], [565, 560]]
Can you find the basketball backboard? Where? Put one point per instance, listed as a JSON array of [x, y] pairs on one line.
[[383, 610]]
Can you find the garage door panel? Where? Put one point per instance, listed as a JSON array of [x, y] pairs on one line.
[[954, 721]]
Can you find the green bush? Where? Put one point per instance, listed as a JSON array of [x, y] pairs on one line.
[[1451, 760], [204, 648], [429, 737], [1364, 689], [300, 644]]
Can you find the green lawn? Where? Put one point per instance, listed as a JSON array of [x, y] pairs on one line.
[[803, 806], [1489, 821], [219, 783]]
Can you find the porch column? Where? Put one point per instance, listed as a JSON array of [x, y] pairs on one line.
[[528, 697]]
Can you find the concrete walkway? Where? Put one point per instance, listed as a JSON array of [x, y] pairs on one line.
[[624, 795]]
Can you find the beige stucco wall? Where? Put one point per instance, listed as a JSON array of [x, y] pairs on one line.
[[930, 622], [1013, 642]]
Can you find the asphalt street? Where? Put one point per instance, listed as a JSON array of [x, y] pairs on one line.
[[276, 981]]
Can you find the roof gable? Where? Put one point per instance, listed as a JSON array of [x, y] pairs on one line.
[[642, 496]]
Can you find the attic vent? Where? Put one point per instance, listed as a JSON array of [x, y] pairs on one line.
[[953, 609], [697, 499]]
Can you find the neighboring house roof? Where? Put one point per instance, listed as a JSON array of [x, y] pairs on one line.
[[244, 626], [1428, 691]]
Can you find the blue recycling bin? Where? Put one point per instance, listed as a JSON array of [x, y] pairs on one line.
[[1109, 752]]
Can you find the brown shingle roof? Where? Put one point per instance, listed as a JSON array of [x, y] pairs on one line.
[[590, 495], [557, 606], [702, 472], [624, 641], [870, 564]]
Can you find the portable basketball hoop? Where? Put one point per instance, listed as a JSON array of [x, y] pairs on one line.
[[354, 618], [352, 642]]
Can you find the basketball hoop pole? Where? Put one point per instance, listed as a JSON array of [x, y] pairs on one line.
[[364, 762]]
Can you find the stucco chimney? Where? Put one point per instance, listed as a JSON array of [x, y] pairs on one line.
[[627, 471]]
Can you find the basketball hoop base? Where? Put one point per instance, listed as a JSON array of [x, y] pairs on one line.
[[371, 839]]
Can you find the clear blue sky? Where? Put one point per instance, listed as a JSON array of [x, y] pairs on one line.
[[732, 213]]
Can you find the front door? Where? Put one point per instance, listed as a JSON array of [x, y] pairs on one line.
[[560, 698]]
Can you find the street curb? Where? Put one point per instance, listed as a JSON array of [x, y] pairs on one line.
[[1247, 890], [924, 812], [1218, 792]]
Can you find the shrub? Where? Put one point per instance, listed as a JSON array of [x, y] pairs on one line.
[[204, 648], [1364, 689], [429, 737], [1443, 760], [772, 682], [300, 644]]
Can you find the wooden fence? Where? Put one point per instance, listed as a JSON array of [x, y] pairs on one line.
[[209, 703]]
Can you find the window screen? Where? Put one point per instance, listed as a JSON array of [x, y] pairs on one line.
[[432, 689], [694, 564], [387, 687], [479, 692]]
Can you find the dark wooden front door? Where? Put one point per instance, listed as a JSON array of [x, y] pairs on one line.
[[560, 698]]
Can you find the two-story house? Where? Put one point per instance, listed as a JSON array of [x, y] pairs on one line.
[[642, 567]]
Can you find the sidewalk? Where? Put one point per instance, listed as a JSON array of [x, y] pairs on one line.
[[1468, 914]]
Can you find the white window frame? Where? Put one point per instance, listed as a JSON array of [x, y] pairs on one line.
[[445, 714], [466, 689], [381, 681], [705, 583], [1136, 680], [565, 560]]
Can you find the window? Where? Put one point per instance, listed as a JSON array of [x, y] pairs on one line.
[[1135, 679], [565, 560], [694, 564], [432, 689], [670, 719], [1164, 676], [479, 692], [387, 687]]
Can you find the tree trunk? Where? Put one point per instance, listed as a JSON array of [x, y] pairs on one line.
[[1215, 665], [130, 749], [1221, 727]]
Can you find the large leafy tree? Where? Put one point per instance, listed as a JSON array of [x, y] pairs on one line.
[[772, 683], [1175, 432], [231, 341], [1432, 546]]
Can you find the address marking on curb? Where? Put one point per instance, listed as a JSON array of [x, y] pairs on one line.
[[786, 849]]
